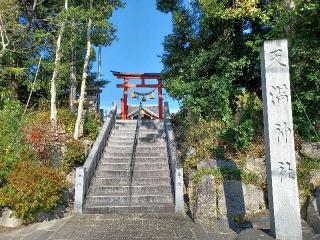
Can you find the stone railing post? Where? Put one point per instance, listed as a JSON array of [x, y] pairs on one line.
[[79, 190], [179, 201], [176, 170]]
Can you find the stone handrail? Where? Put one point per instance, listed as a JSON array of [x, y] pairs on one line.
[[85, 173], [175, 168], [134, 149]]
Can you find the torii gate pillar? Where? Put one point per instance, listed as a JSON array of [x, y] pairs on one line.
[[124, 100], [160, 99]]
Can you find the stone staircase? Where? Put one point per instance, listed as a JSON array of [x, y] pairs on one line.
[[151, 185]]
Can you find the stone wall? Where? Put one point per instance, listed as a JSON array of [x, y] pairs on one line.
[[214, 203]]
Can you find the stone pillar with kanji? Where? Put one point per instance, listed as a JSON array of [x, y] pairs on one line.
[[283, 194]]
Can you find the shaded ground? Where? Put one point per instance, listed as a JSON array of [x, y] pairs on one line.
[[139, 226], [116, 227]]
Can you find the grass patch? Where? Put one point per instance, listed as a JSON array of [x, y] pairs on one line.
[[305, 166]]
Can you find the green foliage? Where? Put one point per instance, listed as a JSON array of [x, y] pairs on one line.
[[33, 33], [215, 49], [305, 67], [213, 138], [239, 137], [92, 125], [67, 119], [73, 156], [11, 144], [203, 139], [305, 166], [167, 5], [31, 188], [248, 106], [247, 122], [237, 10]]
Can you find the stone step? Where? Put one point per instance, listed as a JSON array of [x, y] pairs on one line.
[[160, 208], [127, 159], [146, 139], [136, 189], [142, 137], [155, 153], [132, 127], [136, 174], [129, 144], [161, 154], [141, 130], [140, 148], [98, 181], [144, 121], [122, 200], [137, 166]]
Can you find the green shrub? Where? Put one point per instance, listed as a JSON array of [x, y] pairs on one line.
[[304, 167], [92, 125], [11, 136], [239, 137], [203, 138], [67, 119], [249, 107], [30, 189], [73, 156]]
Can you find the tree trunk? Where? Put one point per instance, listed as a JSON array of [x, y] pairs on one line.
[[30, 16], [53, 113], [73, 81], [76, 134], [289, 29], [99, 64], [4, 37]]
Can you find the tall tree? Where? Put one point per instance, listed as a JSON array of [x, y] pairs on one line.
[[213, 55], [99, 32], [76, 134], [53, 112], [73, 78]]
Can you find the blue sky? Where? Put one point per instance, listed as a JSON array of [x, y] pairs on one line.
[[141, 31]]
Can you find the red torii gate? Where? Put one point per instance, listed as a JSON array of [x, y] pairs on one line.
[[126, 85]]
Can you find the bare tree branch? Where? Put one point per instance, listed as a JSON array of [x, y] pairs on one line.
[[32, 87]]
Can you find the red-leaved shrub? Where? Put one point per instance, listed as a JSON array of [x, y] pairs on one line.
[[32, 188]]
